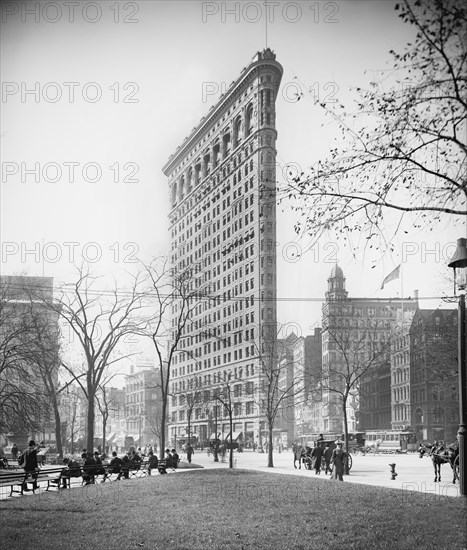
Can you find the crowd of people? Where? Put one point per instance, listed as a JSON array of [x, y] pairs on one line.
[[93, 464]]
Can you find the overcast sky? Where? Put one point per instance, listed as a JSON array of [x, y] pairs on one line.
[[116, 88]]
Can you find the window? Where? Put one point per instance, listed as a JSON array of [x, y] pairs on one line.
[[250, 407]]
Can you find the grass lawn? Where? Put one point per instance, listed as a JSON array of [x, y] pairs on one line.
[[227, 509]]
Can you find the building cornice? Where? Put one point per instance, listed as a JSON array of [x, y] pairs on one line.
[[248, 74]]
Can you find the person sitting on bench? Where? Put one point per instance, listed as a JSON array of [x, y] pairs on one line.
[[153, 462], [115, 466], [89, 468], [72, 470]]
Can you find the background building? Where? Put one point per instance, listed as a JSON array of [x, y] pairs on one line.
[[357, 333], [29, 360], [142, 399], [433, 375]]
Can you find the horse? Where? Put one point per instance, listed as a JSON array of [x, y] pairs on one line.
[[440, 455], [298, 453]]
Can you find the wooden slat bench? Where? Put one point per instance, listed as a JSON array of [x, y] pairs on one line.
[[12, 480], [55, 477], [23, 480]]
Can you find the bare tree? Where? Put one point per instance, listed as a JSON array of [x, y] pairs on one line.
[[279, 384], [356, 351], [106, 403], [71, 403], [404, 150], [23, 403], [173, 300], [223, 394], [100, 320]]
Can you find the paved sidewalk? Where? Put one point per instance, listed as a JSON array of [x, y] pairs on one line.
[[413, 473]]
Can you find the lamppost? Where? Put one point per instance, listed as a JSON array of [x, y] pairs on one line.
[[459, 264]]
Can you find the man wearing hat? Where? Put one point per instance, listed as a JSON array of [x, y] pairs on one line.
[[30, 464]]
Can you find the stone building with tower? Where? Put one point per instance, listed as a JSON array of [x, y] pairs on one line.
[[223, 228], [356, 339]]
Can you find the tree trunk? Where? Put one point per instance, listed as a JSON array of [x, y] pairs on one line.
[[346, 434], [90, 420], [270, 449], [231, 441], [162, 428], [104, 425], [58, 426], [189, 424]]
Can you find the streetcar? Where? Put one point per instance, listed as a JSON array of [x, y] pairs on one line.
[[391, 441]]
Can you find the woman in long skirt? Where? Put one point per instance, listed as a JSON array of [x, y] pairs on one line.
[[338, 458]]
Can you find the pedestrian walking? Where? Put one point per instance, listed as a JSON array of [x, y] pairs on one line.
[[28, 460], [339, 456], [14, 451], [316, 456], [327, 453], [189, 453]]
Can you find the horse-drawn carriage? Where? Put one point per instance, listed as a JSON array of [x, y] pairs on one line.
[[303, 454]]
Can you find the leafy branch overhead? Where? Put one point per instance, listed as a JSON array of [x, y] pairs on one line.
[[403, 151]]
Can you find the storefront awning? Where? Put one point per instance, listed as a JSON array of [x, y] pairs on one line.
[[213, 436], [111, 437]]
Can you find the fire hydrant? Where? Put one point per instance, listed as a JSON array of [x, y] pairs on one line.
[[393, 470]]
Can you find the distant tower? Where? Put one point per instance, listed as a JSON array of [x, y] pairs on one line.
[[336, 285]]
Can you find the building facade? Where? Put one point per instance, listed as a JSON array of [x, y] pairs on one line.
[[307, 360], [433, 375], [223, 227], [142, 399], [401, 405]]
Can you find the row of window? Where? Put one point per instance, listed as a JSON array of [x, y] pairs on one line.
[[200, 413]]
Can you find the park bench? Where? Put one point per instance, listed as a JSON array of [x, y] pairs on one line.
[[12, 480], [54, 477], [24, 479]]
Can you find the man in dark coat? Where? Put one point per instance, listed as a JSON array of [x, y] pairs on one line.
[[327, 457], [153, 462], [73, 469], [316, 455], [29, 464], [189, 453], [175, 458], [14, 451], [115, 466], [89, 468]]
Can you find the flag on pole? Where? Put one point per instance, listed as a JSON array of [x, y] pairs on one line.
[[395, 274]]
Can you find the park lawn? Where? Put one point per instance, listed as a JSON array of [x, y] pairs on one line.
[[232, 509]]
